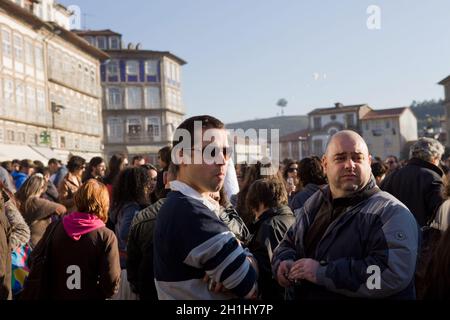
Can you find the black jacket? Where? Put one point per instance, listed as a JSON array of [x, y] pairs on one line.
[[268, 231], [140, 252], [419, 186], [234, 222]]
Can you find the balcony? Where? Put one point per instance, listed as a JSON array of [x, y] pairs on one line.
[[140, 137]]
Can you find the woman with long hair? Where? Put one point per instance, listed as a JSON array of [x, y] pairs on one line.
[[291, 178], [130, 195], [37, 212], [437, 279], [117, 163]]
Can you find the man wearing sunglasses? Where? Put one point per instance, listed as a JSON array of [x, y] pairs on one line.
[[192, 246]]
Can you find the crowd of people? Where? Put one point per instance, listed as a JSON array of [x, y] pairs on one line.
[[346, 225]]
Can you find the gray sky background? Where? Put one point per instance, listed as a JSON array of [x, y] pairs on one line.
[[244, 55]]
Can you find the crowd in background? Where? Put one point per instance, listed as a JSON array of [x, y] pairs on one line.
[[101, 217]]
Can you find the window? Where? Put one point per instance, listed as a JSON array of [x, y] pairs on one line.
[[31, 98], [134, 126], [6, 43], [114, 98], [39, 57], [18, 48], [134, 98], [151, 67], [8, 90], [62, 142], [101, 42], [40, 97], [388, 124], [39, 11], [317, 123], [93, 76], [114, 128], [91, 40], [153, 127], [19, 95], [29, 53], [349, 120], [113, 68], [152, 98], [10, 135], [367, 125], [21, 137], [173, 71], [132, 68], [377, 132], [114, 42], [333, 117]]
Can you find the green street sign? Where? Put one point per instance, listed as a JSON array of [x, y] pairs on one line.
[[45, 137]]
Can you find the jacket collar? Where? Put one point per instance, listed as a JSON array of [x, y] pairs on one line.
[[190, 192], [426, 164], [358, 196]]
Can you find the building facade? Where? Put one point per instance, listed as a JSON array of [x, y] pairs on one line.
[[294, 145], [388, 131], [50, 89], [324, 122], [446, 84], [142, 104]]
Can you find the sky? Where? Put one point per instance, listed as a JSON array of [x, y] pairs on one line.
[[244, 55]]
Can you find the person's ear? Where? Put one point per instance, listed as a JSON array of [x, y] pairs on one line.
[[324, 164]]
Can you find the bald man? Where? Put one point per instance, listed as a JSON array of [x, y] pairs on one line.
[[350, 239]]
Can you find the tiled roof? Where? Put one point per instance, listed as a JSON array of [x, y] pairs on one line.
[[444, 81], [384, 113], [322, 111], [105, 32]]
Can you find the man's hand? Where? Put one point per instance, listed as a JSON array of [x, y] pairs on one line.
[[213, 286], [304, 269], [282, 273]]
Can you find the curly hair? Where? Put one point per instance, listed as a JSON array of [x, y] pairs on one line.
[[132, 184], [311, 171]]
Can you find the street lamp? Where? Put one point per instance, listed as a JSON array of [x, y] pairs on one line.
[[56, 108]]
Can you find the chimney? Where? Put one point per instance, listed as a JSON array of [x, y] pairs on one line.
[[338, 105]]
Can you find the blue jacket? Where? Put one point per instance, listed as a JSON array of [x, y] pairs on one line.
[[378, 231], [300, 198], [19, 178]]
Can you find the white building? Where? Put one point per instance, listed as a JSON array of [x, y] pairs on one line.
[[325, 122], [387, 131], [50, 89]]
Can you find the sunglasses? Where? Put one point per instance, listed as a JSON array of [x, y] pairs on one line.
[[292, 169], [226, 151]]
